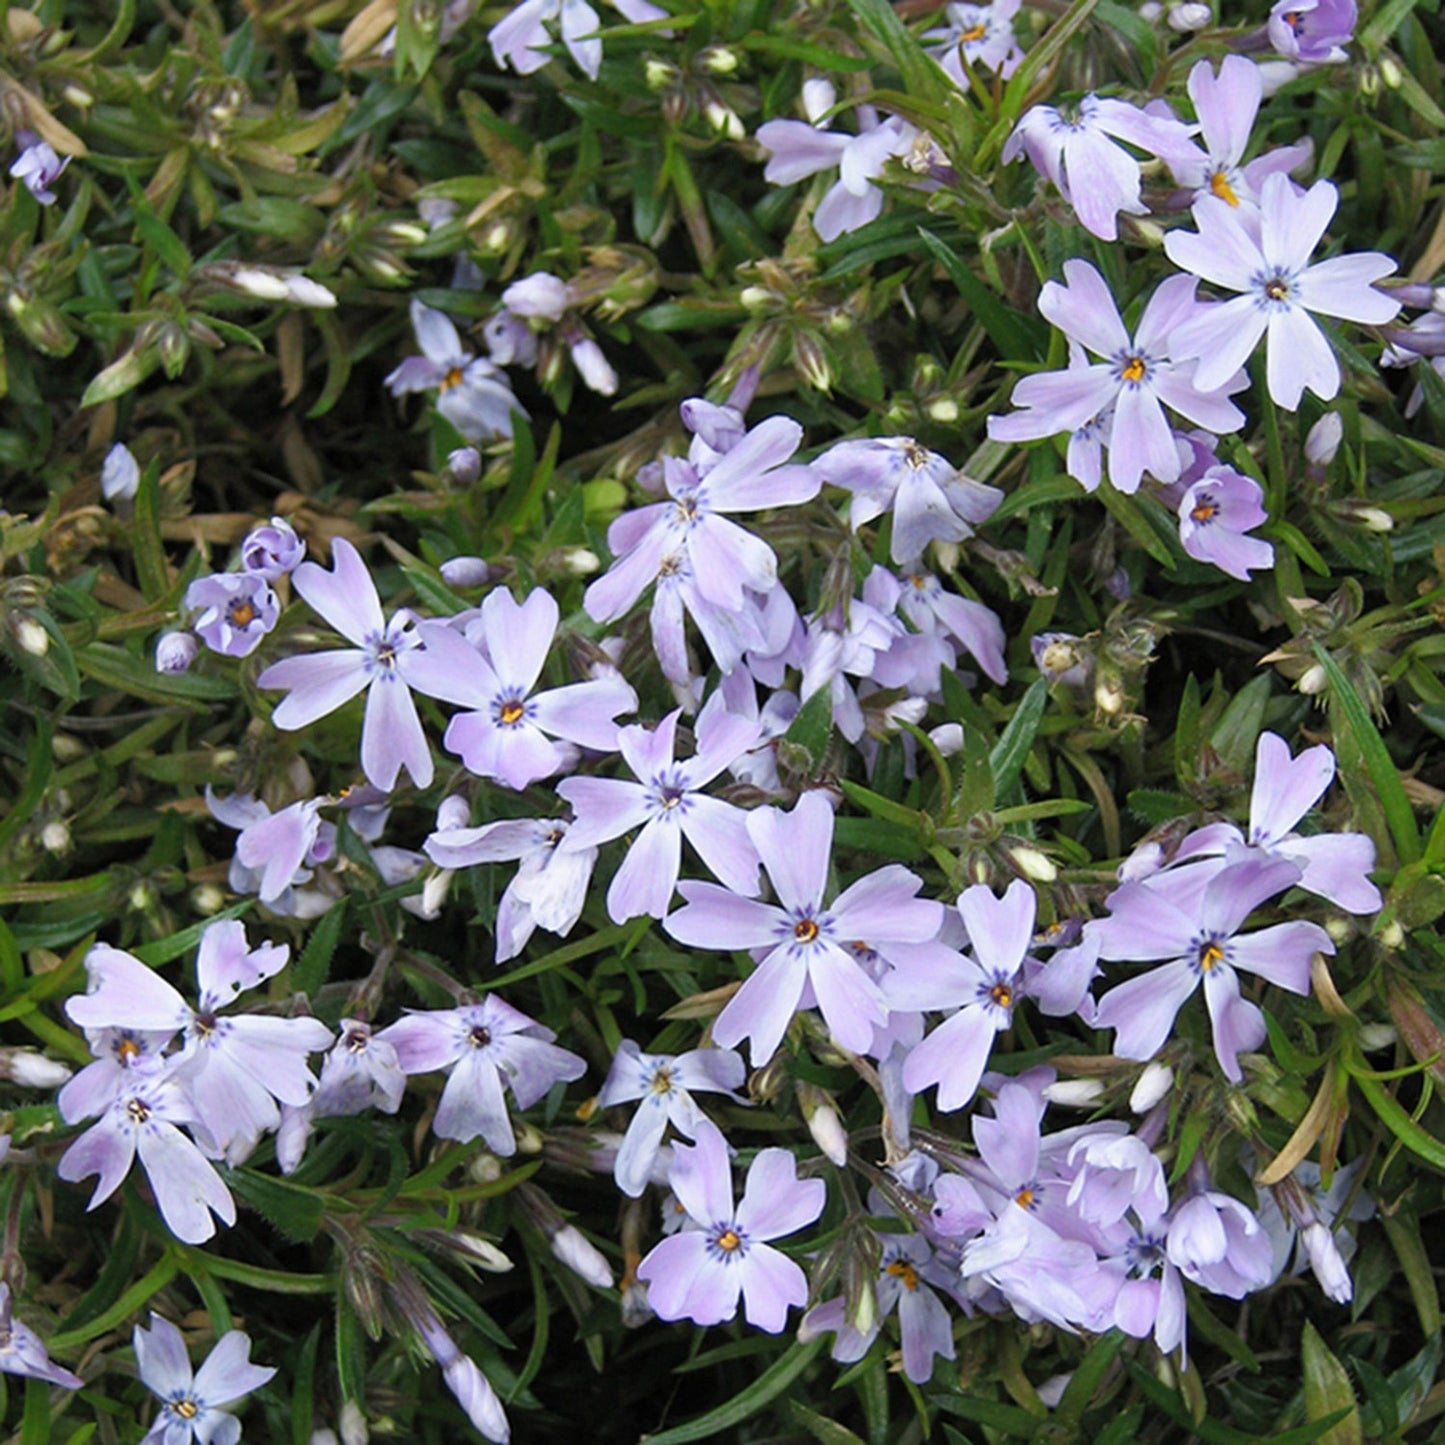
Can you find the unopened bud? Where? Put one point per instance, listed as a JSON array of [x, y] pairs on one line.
[[1374, 1037], [1109, 697], [1390, 73], [660, 74], [723, 120], [400, 233], [55, 836], [1188, 17], [581, 1256], [1391, 936], [1032, 863], [1324, 439], [717, 60], [947, 738], [175, 652], [1314, 680], [34, 1071], [812, 363], [208, 899], [579, 561], [482, 1252], [755, 298], [824, 1123], [32, 637], [485, 1168], [454, 811], [1074, 1093], [1154, 1083], [1369, 80], [353, 1424], [943, 410], [119, 474], [465, 465]]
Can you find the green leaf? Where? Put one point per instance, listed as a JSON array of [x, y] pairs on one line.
[[163, 950], [1018, 337], [976, 791], [829, 1432], [310, 971], [922, 78], [294, 1210], [879, 806], [762, 1392], [1404, 1234], [303, 1392], [1012, 750], [1236, 734], [871, 835], [1087, 1376], [1043, 55], [1399, 816], [1186, 735], [1168, 1402], [1328, 1392], [805, 743], [1127, 512], [1391, 1113], [38, 762], [995, 1415], [150, 553], [163, 241], [1159, 805]]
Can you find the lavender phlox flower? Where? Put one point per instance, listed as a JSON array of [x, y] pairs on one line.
[[798, 150], [119, 1053], [1059, 986], [975, 627], [667, 804], [758, 766], [1138, 377], [1313, 32], [908, 1277], [517, 41], [726, 559], [955, 1054], [930, 499], [119, 474], [37, 166], [846, 640], [1227, 104], [190, 1400], [1335, 866], [1219, 1244], [233, 611], [1429, 332], [1201, 942], [143, 1119], [1215, 513], [277, 848], [246, 814], [1116, 1173], [540, 297], [550, 887], [1279, 289], [698, 1274], [22, 1353], [233, 1070], [273, 551], [1064, 658], [506, 733], [360, 1071], [469, 1386], [510, 341], [386, 660], [485, 1047], [1150, 1296], [664, 1083], [730, 633], [976, 35], [808, 956], [471, 393], [1096, 176]]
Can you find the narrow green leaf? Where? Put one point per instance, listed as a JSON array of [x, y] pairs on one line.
[[1087, 1376], [976, 791], [38, 762], [163, 950], [1186, 735], [880, 806], [1328, 1392], [922, 78], [1169, 1403], [1126, 511], [1383, 24], [1236, 734], [1009, 755], [293, 1209], [133, 1300], [163, 241], [829, 1432], [806, 741], [1403, 1232], [303, 1392], [1018, 337], [310, 971], [761, 1393], [1392, 1114], [1043, 55], [1383, 773], [150, 552], [992, 1413]]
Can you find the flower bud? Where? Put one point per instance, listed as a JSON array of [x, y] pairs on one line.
[[579, 561], [55, 836], [31, 636], [1324, 438], [717, 60], [1390, 73], [593, 367], [581, 1256], [943, 410], [1374, 1037], [481, 1252], [119, 474], [1032, 863], [723, 120], [947, 738], [454, 811], [1154, 1083], [465, 465], [208, 899], [1391, 936], [812, 363], [824, 1123], [32, 1070], [660, 74], [1190, 16], [755, 298], [1074, 1093], [175, 652], [353, 1424], [1313, 681]]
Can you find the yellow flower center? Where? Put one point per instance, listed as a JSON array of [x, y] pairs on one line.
[[901, 1269], [186, 1409], [806, 931], [976, 33], [1277, 290], [1024, 1199], [728, 1241], [1204, 512], [243, 614], [453, 378], [511, 714], [127, 1050], [1219, 186], [1002, 995], [1210, 956], [1133, 369]]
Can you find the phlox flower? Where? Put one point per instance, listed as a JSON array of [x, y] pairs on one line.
[[1125, 394], [37, 166], [987, 988], [190, 1400], [273, 551], [233, 611], [1314, 32], [1196, 930], [506, 733], [119, 474], [972, 625], [233, 1070], [726, 560], [798, 150], [550, 887], [22, 1353], [1096, 176], [976, 35], [698, 1274], [119, 1054], [1227, 104], [485, 1047], [386, 660], [143, 1119], [1279, 290], [909, 1276], [300, 840], [664, 1083], [518, 40], [667, 804], [810, 946], [469, 1386], [930, 499], [471, 393], [1215, 512]]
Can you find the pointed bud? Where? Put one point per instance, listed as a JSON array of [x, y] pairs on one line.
[[1154, 1083], [581, 1256], [1074, 1093]]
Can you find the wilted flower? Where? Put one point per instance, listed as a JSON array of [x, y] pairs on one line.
[[22, 1353]]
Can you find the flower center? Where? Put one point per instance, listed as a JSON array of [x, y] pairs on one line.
[[137, 1111], [1211, 955], [242, 613], [1002, 995], [453, 378], [511, 714], [479, 1037], [1293, 19], [204, 1026], [901, 1269], [728, 1241], [1205, 511], [127, 1050], [662, 1081], [1277, 288], [1024, 1198], [976, 32], [669, 798], [1133, 370], [805, 931], [356, 1042], [1219, 186], [386, 655], [915, 455], [687, 511], [186, 1409], [670, 565]]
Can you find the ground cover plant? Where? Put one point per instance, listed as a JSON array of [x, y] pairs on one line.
[[722, 721]]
